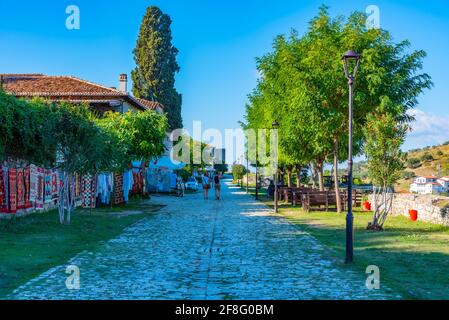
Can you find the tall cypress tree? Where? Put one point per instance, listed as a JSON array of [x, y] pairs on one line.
[[156, 65]]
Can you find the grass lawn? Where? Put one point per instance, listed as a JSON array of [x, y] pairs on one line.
[[33, 244], [413, 257]]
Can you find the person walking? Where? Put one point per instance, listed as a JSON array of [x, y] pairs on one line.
[[206, 185], [217, 186]]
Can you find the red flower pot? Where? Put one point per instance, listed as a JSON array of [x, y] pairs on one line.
[[366, 206], [413, 215]]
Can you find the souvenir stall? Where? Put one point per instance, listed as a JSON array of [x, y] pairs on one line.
[[27, 187], [160, 176]]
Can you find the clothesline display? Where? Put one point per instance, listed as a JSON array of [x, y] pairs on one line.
[[26, 188]]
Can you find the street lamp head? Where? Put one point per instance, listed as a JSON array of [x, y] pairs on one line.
[[349, 56], [275, 124]]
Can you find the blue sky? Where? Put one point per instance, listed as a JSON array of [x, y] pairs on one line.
[[218, 42]]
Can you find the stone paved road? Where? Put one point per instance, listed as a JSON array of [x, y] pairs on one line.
[[193, 249]]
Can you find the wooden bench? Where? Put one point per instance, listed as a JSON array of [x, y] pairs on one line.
[[320, 198], [297, 195], [356, 197], [292, 195]]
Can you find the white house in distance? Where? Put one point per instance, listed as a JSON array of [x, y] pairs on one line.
[[430, 185]]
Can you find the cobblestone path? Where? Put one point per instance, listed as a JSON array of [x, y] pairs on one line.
[[196, 249]]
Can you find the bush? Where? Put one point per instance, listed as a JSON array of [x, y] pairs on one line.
[[238, 171], [184, 174], [426, 157], [413, 163], [440, 153], [408, 175]]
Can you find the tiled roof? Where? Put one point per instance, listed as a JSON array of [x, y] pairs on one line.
[[41, 85], [152, 105], [67, 88]]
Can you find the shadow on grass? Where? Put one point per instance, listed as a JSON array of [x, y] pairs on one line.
[[412, 257]]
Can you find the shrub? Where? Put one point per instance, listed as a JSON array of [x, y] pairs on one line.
[[427, 157], [413, 163], [408, 175]]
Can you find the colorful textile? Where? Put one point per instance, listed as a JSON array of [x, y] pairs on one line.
[[89, 191], [12, 191], [54, 184], [3, 192], [137, 186], [33, 183], [78, 190], [48, 186], [127, 184], [20, 189], [27, 182], [105, 186], [40, 188], [118, 189]]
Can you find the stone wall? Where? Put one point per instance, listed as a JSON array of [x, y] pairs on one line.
[[426, 206]]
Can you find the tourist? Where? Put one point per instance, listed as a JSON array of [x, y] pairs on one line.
[[205, 181], [217, 186]]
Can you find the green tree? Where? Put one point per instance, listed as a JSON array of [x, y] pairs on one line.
[[141, 134], [156, 65], [82, 147], [304, 75], [238, 171], [26, 130], [384, 137], [427, 157], [221, 167], [413, 163], [191, 152]]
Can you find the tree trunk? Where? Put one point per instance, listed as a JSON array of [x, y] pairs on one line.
[[289, 177], [298, 176], [319, 168], [383, 202], [313, 169], [336, 180]]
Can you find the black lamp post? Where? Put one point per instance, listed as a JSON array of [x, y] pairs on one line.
[[247, 171], [350, 58], [257, 178], [275, 126]]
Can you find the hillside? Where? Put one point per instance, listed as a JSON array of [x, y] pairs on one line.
[[428, 161]]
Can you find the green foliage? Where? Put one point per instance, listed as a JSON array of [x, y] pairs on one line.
[[303, 87], [407, 175], [384, 137], [184, 174], [82, 146], [440, 153], [26, 130], [140, 134], [156, 66], [191, 152], [413, 163], [238, 171], [222, 168], [72, 138], [426, 157]]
